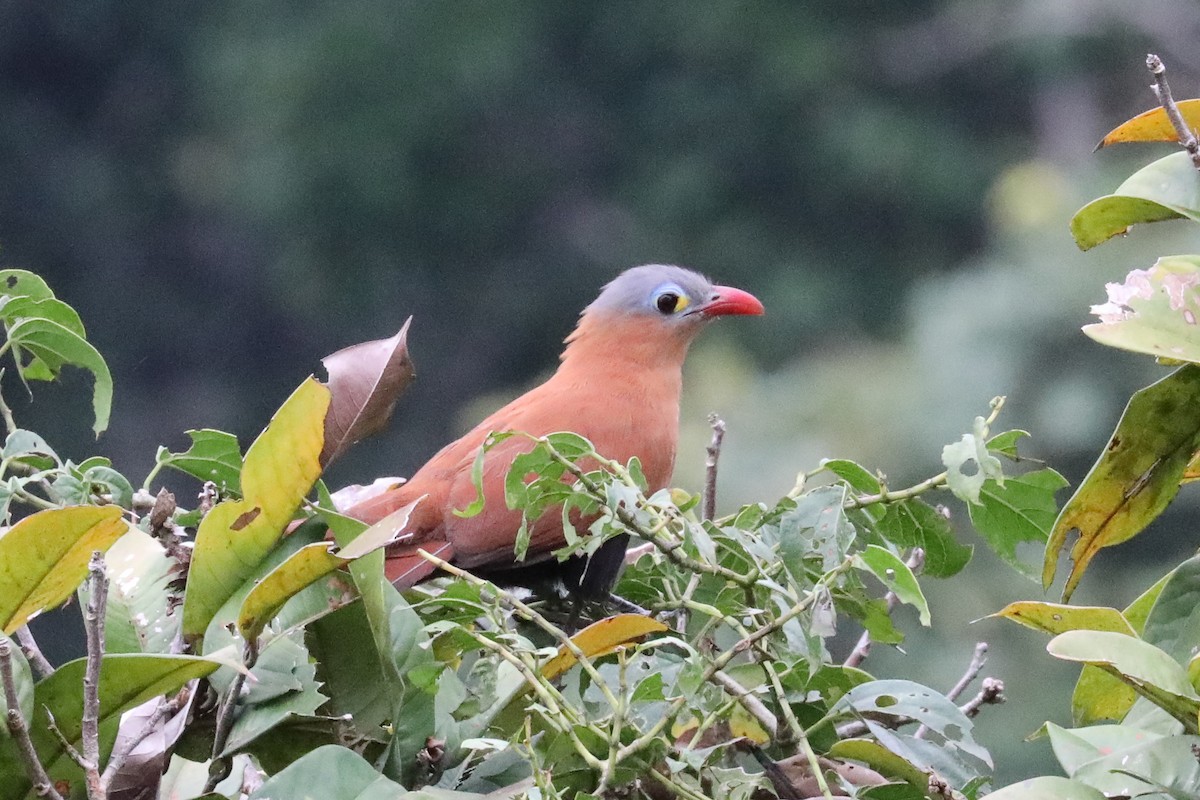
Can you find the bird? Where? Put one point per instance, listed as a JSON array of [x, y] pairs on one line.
[[618, 384]]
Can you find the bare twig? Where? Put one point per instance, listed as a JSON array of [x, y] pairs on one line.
[[752, 704], [120, 755], [978, 659], [93, 623], [33, 654], [991, 694], [713, 451], [220, 767], [19, 729], [1163, 92], [916, 560], [5, 412], [67, 746]]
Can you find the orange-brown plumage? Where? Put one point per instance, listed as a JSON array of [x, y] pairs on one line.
[[618, 385]]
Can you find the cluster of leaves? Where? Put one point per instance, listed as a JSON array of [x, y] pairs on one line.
[[239, 643], [1137, 700]]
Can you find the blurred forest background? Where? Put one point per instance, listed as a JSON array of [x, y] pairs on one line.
[[228, 192]]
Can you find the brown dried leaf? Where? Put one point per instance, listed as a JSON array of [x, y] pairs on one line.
[[365, 380]]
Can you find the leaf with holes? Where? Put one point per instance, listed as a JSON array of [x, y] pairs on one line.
[[1136, 476], [53, 346], [213, 456], [281, 466], [1154, 311], [1019, 511]]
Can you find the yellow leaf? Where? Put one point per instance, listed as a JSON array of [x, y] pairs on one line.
[[280, 468], [44, 557], [1055, 618], [601, 638], [1153, 125]]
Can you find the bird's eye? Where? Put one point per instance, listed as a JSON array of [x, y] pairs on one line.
[[670, 302]]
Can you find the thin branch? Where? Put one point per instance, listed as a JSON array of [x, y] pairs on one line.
[[723, 661], [752, 704], [120, 755], [886, 496], [93, 623], [671, 548], [68, 748], [5, 412], [713, 452], [1163, 92], [916, 560], [978, 659], [19, 729], [220, 767], [991, 694], [798, 732], [537, 619], [33, 654]]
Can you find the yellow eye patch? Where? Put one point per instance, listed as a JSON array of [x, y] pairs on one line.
[[681, 303]]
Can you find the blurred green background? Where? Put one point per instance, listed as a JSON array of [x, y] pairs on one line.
[[228, 192]]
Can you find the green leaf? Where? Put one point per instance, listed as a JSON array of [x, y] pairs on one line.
[[139, 616], [331, 773], [1166, 189], [1167, 765], [402, 648], [23, 283], [283, 698], [1047, 788], [349, 668], [1154, 311], [213, 456], [1020, 510], [1075, 748], [1150, 671], [1098, 696], [1174, 622], [126, 681], [969, 463], [281, 466], [29, 448], [915, 523], [48, 308], [893, 573], [55, 346], [816, 528], [857, 476], [1136, 476], [1006, 443], [45, 556], [958, 758], [883, 761]]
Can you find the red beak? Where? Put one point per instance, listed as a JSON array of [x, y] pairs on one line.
[[728, 300]]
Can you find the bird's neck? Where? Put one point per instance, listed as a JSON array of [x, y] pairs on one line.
[[624, 347]]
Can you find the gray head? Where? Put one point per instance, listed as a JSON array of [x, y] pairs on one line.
[[667, 292]]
